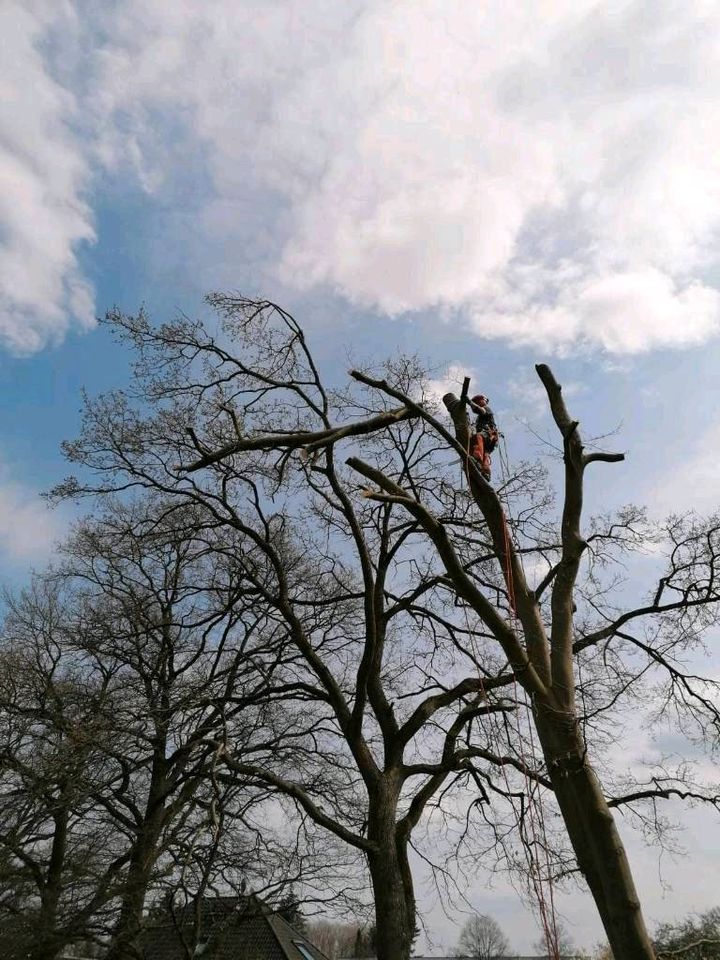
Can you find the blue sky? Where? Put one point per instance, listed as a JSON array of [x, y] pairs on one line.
[[488, 185]]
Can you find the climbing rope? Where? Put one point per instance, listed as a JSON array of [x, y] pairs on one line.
[[536, 814], [533, 835], [530, 838]]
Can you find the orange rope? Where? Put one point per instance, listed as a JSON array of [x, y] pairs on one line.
[[536, 817]]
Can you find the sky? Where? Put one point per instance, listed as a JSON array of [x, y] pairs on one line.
[[489, 185]]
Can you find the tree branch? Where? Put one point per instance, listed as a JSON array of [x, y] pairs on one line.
[[296, 792], [491, 508], [573, 545], [308, 440], [501, 630]]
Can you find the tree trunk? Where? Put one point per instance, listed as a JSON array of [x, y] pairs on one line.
[[595, 839], [391, 877], [123, 946], [394, 910], [49, 940], [47, 947], [127, 930]]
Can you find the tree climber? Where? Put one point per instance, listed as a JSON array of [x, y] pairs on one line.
[[486, 436]]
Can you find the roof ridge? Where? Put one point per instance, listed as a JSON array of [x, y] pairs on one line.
[[295, 934]]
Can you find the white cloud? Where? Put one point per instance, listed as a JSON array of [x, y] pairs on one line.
[[28, 528], [623, 312], [529, 395], [43, 216], [548, 174], [553, 176], [451, 381], [699, 476]]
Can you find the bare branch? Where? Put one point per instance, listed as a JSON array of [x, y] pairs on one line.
[[309, 440]]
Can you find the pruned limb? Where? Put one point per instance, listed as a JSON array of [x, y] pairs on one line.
[[573, 544], [598, 456], [308, 439], [491, 508]]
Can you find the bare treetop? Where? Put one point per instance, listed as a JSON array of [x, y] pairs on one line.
[[415, 595]]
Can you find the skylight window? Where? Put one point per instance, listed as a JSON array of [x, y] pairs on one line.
[[303, 950]]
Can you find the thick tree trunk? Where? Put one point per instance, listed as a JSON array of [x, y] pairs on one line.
[[124, 943], [394, 910], [49, 940], [595, 839], [588, 820], [391, 877]]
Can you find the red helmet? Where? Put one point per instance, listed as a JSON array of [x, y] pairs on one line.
[[480, 400]]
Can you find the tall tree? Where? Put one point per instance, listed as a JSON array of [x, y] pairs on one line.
[[404, 594], [58, 856], [334, 574], [190, 655], [481, 938], [541, 649], [697, 937], [124, 671]]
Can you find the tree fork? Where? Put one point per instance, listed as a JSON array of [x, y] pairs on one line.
[[587, 816], [548, 679]]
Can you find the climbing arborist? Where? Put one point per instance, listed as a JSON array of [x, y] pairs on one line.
[[486, 436]]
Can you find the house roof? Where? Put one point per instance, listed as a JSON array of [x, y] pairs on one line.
[[232, 928]]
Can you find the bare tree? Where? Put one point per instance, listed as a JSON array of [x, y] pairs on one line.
[[193, 657], [124, 671], [481, 938], [563, 940], [696, 937], [57, 859], [339, 578], [542, 655], [405, 596]]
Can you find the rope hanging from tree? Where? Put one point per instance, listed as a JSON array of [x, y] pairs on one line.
[[536, 816], [534, 839]]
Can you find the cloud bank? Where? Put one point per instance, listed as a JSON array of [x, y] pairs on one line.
[[548, 174], [44, 171], [29, 529]]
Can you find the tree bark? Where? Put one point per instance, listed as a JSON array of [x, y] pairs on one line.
[[129, 925], [145, 850], [594, 837], [390, 875], [591, 829], [50, 940]]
